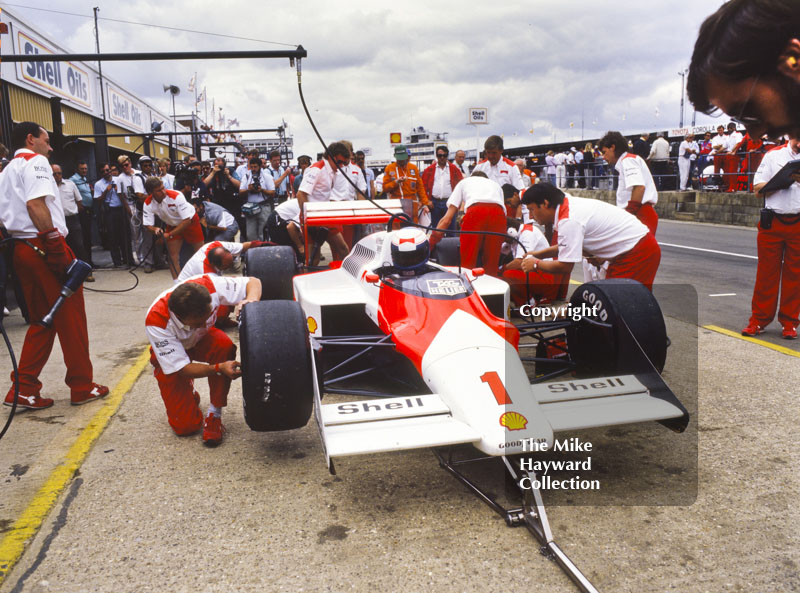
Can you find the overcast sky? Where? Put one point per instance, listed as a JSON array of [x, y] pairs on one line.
[[379, 67]]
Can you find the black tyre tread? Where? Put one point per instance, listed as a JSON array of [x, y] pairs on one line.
[[603, 351], [275, 266], [276, 363]]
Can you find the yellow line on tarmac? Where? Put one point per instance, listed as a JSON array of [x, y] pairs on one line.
[[733, 334], [13, 544]]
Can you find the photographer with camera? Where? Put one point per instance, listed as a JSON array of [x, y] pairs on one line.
[[280, 176], [257, 189], [223, 188]]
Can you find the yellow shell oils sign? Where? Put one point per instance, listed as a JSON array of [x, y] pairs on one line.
[[395, 138], [61, 78], [513, 421]]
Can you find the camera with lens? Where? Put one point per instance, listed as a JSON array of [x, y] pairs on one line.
[[185, 175]]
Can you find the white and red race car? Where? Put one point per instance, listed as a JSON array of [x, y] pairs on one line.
[[433, 361]]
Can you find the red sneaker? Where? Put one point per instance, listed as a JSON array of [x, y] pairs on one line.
[[97, 392], [789, 332], [213, 430], [752, 329], [29, 402]]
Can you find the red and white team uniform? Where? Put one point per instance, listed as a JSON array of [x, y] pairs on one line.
[[778, 248], [542, 284], [609, 233], [505, 171], [318, 180], [26, 177], [174, 345], [173, 210], [199, 264], [484, 211], [634, 171]]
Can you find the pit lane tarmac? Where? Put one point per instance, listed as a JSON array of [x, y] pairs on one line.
[[149, 511]]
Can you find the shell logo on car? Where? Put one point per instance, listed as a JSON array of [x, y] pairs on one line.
[[312, 325], [513, 421]]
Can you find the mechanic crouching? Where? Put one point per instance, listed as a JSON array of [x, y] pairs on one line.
[[180, 327]]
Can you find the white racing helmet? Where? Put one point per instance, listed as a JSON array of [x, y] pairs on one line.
[[410, 248]]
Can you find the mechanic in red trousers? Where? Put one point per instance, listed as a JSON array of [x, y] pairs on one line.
[[600, 230], [636, 192], [180, 327], [485, 210], [778, 248], [540, 285], [30, 209]]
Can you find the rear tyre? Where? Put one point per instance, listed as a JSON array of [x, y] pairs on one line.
[[611, 351], [275, 266], [277, 385]]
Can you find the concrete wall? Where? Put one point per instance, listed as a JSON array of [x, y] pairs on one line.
[[737, 208]]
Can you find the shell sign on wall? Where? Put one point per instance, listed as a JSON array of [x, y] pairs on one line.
[[61, 78]]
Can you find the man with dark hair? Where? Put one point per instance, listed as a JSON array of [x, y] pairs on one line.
[[280, 176], [498, 168], [183, 223], [257, 189], [112, 212], [317, 183], [180, 328], [592, 227], [218, 224], [303, 162], [746, 62], [30, 209], [636, 192], [215, 257], [440, 179], [223, 187], [86, 214]]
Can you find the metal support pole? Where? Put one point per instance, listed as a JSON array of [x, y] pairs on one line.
[[100, 72]]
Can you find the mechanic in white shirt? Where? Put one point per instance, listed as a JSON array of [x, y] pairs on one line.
[[498, 168], [216, 257], [284, 227], [778, 248], [183, 223], [637, 191], [317, 184], [730, 162], [485, 210], [602, 231], [180, 327], [540, 285]]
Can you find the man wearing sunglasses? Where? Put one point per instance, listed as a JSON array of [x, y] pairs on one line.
[[440, 179], [746, 62], [318, 180]]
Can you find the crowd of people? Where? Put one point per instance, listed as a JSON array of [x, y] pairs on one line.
[[524, 229]]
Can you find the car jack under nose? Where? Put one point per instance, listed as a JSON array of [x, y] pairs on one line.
[[531, 514]]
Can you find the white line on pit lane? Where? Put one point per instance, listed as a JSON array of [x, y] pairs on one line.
[[723, 294], [708, 250]]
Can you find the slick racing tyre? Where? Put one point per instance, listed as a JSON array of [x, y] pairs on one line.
[[275, 266], [602, 350], [448, 252], [277, 384]]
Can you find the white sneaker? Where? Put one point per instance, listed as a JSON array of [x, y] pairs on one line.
[[6, 312]]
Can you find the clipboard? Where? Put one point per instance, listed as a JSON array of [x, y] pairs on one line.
[[783, 178]]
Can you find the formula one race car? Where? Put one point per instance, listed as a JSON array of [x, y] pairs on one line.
[[434, 361]]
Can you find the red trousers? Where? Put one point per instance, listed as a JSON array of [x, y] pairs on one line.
[[730, 165], [180, 398], [541, 285], [41, 289], [483, 217], [648, 217], [778, 266], [640, 263]]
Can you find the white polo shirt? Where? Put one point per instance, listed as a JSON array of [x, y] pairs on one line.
[[173, 209], [720, 140], [128, 185], [596, 227], [70, 197], [198, 264], [169, 338], [266, 181], [633, 171], [26, 178], [474, 190], [505, 171], [784, 201], [318, 181], [734, 138], [289, 211], [342, 190], [533, 240]]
